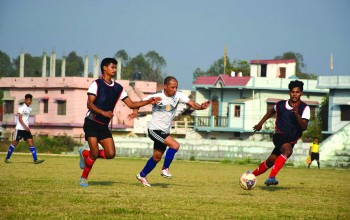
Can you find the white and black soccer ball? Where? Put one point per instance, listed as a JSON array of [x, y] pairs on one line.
[[247, 181]]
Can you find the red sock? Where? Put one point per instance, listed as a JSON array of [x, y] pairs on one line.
[[280, 161], [261, 169], [101, 154], [88, 166], [86, 153]]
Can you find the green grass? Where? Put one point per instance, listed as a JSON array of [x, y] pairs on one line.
[[199, 190]]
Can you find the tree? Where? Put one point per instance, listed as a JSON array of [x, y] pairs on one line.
[[241, 66], [74, 65], [123, 55], [32, 65], [323, 112], [6, 67]]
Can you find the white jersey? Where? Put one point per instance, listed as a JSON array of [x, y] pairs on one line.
[[25, 111], [163, 112]]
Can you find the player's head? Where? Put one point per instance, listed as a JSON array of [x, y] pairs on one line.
[[28, 99], [170, 86], [296, 83], [315, 140], [295, 91], [106, 62]]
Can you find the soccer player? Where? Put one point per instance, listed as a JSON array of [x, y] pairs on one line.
[[103, 95], [292, 119], [163, 114], [23, 131], [314, 152]]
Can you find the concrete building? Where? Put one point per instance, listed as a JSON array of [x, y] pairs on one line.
[[59, 103]]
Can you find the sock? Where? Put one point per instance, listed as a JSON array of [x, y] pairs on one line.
[[10, 151], [169, 157], [318, 164], [88, 166], [261, 169], [86, 153], [280, 161], [33, 150], [101, 154], [150, 165]]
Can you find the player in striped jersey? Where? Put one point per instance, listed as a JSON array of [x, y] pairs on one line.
[[163, 114]]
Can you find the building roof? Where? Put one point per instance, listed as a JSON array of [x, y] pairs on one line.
[[225, 79], [272, 61]]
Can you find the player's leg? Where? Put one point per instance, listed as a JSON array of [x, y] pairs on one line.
[[265, 165], [318, 160], [90, 160], [10, 151], [169, 156], [150, 165], [28, 137]]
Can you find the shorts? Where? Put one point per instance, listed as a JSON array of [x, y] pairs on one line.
[[94, 129], [315, 156], [158, 137], [278, 140], [19, 134]]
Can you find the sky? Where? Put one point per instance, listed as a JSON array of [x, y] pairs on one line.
[[189, 34]]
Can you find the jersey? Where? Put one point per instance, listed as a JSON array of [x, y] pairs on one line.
[[315, 147], [286, 122], [107, 96], [25, 111], [164, 112]]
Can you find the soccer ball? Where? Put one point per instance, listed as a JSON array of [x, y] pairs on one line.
[[247, 181]]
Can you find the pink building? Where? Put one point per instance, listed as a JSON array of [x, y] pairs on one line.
[[59, 104]]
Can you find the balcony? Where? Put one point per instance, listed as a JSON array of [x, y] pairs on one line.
[[211, 121]]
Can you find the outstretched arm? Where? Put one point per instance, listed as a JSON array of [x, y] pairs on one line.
[[134, 105], [268, 115], [197, 106]]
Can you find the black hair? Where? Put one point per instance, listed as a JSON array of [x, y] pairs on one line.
[[107, 61], [296, 83], [28, 96], [168, 79]]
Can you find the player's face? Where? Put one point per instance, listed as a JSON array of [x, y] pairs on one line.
[[295, 94], [170, 89], [28, 102], [110, 70]]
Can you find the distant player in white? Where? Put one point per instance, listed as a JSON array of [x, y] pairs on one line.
[[23, 131], [163, 114]]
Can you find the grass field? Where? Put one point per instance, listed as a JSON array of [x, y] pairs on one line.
[[199, 190]]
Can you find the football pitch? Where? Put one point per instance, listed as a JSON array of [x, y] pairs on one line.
[[198, 190]]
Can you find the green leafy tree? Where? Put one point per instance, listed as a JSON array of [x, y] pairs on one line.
[[6, 67], [323, 113], [123, 55], [74, 65], [241, 66], [292, 55], [32, 65]]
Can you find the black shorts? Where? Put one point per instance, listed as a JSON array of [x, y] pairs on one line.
[[95, 129], [19, 134], [315, 156], [278, 140], [158, 137]]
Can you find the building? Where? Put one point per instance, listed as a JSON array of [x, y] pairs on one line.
[[239, 103]]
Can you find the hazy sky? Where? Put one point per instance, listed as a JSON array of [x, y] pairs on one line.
[[187, 33]]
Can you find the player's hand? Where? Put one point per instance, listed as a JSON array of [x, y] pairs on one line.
[[295, 108], [154, 100], [108, 114], [132, 116], [205, 105], [257, 127]]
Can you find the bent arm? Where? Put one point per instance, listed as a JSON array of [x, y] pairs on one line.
[[268, 115], [197, 106], [92, 107], [20, 119]]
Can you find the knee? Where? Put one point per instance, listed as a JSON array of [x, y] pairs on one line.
[[157, 158], [175, 146], [110, 155]]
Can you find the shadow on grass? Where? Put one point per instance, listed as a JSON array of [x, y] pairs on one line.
[[102, 183], [273, 188]]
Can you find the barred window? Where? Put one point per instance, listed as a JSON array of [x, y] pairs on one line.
[[61, 107]]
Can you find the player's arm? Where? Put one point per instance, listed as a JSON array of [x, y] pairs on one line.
[[301, 121], [268, 115], [91, 106], [135, 105], [20, 119], [197, 106]]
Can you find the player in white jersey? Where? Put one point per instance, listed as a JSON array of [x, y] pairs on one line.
[[163, 114], [23, 131]]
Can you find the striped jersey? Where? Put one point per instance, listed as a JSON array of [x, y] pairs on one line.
[[163, 112]]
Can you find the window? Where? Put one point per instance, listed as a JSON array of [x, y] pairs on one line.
[[8, 106], [46, 105], [237, 111], [345, 112], [61, 107], [62, 91], [46, 91]]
